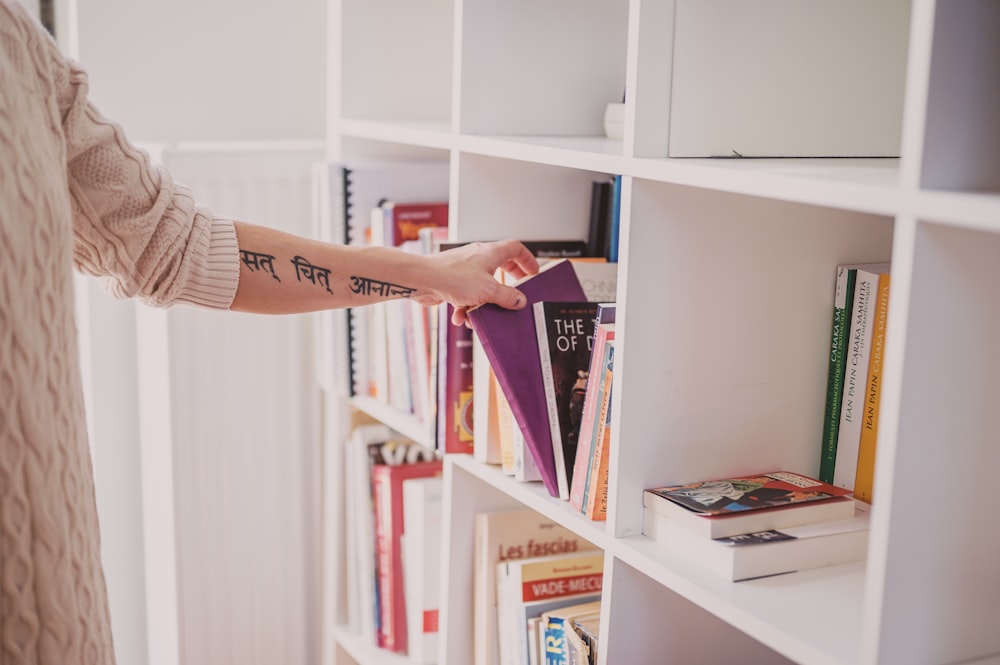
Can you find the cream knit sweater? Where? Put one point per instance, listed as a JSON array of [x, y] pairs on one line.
[[73, 192]]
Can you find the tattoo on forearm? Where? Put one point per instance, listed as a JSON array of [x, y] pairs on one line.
[[314, 273], [365, 286], [257, 261]]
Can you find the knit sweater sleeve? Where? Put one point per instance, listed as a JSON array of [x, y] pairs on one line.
[[133, 224]]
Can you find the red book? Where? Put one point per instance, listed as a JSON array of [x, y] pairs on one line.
[[403, 221], [387, 491], [454, 385], [509, 340]]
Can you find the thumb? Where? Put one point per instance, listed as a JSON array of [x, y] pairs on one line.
[[510, 298]]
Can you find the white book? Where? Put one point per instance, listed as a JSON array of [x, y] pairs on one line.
[[858, 353], [768, 552], [421, 565], [504, 536], [486, 441]]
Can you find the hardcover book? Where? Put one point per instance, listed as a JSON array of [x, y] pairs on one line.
[[734, 506], [506, 337], [565, 334], [530, 587], [504, 536], [765, 553]]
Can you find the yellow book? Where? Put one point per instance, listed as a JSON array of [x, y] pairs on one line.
[[865, 476]]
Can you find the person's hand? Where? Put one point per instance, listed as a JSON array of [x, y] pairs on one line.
[[464, 276]]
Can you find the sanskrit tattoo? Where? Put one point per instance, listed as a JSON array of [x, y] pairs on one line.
[[257, 261], [365, 286], [313, 273]]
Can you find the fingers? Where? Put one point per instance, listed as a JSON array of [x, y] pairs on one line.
[[516, 259]]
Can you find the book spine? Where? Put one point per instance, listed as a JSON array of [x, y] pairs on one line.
[[865, 477], [385, 624], [856, 371], [597, 488], [554, 640], [843, 299], [594, 459], [584, 447], [545, 359]]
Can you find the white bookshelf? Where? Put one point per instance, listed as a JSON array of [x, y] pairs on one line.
[[725, 296]]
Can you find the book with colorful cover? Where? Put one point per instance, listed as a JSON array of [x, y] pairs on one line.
[[507, 535], [530, 587], [506, 337], [454, 385], [732, 506], [865, 476], [565, 334], [594, 413], [557, 624], [387, 491]]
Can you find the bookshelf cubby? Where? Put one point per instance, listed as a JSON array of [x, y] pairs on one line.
[[725, 296]]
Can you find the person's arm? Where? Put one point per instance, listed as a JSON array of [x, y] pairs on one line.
[[282, 273]]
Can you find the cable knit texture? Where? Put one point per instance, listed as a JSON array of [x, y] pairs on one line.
[[73, 192]]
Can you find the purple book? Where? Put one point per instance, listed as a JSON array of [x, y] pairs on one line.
[[508, 338]]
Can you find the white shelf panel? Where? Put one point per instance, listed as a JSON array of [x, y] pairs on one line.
[[968, 209], [424, 134], [810, 617], [362, 651], [534, 495], [404, 423]]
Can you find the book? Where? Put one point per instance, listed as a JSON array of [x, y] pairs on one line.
[[558, 624], [589, 630], [600, 213], [596, 491], [865, 476], [598, 277], [766, 553], [843, 303], [350, 190], [421, 556], [369, 446], [735, 506], [506, 336], [530, 587], [387, 490], [593, 413], [614, 222], [454, 385], [504, 536], [603, 331], [858, 353], [565, 335]]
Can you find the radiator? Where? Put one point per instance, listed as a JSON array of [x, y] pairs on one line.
[[230, 440]]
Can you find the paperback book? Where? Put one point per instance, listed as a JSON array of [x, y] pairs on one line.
[[765, 553], [565, 334], [735, 506], [528, 588], [509, 535]]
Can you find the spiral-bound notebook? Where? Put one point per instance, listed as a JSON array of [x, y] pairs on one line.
[[348, 192]]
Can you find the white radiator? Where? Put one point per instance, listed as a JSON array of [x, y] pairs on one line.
[[231, 444]]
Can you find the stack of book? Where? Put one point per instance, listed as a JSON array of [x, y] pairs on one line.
[[755, 526]]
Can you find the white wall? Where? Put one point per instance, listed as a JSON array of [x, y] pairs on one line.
[[207, 70]]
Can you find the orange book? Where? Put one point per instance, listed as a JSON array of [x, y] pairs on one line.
[[597, 488], [865, 475]]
